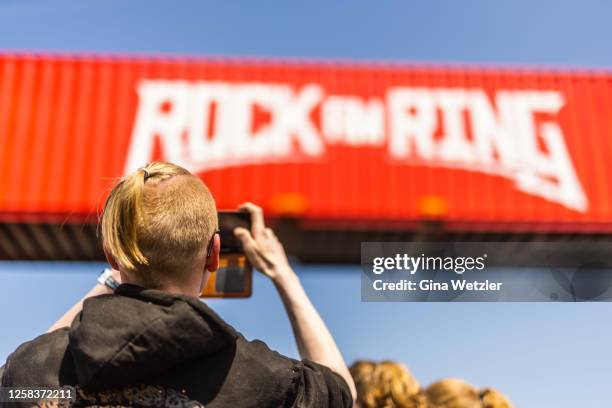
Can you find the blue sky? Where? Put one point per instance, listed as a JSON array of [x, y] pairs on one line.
[[544, 32], [541, 355]]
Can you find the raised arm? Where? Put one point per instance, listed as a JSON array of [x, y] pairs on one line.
[[68, 317], [267, 255]]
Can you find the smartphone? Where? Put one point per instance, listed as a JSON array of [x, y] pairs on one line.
[[234, 278]]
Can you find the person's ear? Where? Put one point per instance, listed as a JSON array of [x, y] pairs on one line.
[[212, 262], [111, 260]]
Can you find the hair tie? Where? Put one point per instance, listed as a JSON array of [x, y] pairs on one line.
[[146, 173]]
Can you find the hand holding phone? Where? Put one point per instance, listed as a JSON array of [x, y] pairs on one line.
[[262, 247]]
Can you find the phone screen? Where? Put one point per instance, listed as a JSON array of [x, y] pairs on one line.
[[234, 277], [228, 220]]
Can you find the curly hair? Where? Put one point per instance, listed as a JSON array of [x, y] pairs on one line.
[[456, 393], [386, 385]]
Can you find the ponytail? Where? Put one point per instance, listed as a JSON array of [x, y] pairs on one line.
[[122, 215]]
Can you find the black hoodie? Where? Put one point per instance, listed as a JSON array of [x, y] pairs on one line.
[[143, 347]]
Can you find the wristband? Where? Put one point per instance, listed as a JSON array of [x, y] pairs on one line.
[[106, 279]]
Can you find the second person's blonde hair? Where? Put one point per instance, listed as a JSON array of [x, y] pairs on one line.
[[386, 385], [456, 393]]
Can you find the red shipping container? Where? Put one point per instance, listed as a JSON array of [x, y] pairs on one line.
[[385, 144]]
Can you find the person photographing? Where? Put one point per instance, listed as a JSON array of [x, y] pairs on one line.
[[152, 342]]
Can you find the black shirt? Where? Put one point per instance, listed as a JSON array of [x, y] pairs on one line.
[[143, 347]]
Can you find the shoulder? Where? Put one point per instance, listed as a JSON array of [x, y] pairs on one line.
[[321, 387], [40, 361], [301, 383], [261, 368], [257, 350]]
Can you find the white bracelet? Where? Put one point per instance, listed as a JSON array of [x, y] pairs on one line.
[[106, 279]]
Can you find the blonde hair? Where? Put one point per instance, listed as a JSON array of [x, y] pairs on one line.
[[456, 393], [386, 385], [158, 220]]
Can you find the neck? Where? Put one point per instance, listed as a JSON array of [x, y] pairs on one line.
[[189, 286]]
